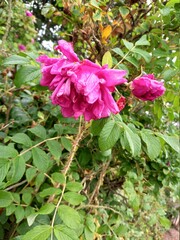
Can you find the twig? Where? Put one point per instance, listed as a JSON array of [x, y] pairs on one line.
[[100, 181], [100, 207], [5, 126], [124, 25], [16, 185]]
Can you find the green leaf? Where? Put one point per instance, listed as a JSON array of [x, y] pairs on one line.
[[22, 138], [15, 59], [26, 75], [69, 216], [74, 186], [171, 3], [39, 179], [4, 167], [133, 140], [88, 234], [55, 148], [107, 59], [27, 198], [7, 152], [133, 61], [64, 233], [97, 126], [19, 214], [31, 218], [66, 143], [121, 230], [46, 208], [10, 209], [95, 4], [118, 51], [41, 232], [172, 141], [5, 199], [39, 131], [49, 191], [124, 10], [58, 177], [48, 10], [90, 223], [152, 143], [18, 170], [109, 135], [40, 159], [31, 173], [142, 53], [165, 222], [73, 198], [142, 41], [128, 45]]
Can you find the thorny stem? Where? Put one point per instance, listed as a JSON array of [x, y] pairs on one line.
[[66, 169], [100, 181]]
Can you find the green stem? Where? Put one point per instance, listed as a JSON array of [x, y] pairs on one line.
[[124, 57], [38, 144], [65, 170]]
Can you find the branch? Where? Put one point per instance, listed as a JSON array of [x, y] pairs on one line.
[[100, 181], [100, 207]]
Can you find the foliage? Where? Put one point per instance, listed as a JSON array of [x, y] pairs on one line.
[[112, 178]]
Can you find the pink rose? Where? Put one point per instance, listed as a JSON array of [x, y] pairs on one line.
[[80, 87], [121, 103], [147, 88], [28, 13], [22, 47]]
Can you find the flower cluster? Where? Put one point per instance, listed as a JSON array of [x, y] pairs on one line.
[[147, 88], [80, 87]]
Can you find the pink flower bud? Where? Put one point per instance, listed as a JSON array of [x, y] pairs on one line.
[[121, 103], [22, 47], [147, 88], [28, 13]]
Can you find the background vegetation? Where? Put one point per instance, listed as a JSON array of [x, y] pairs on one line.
[[113, 178]]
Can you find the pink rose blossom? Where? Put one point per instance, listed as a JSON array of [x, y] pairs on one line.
[[22, 47], [121, 103], [80, 87], [147, 88], [28, 13]]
